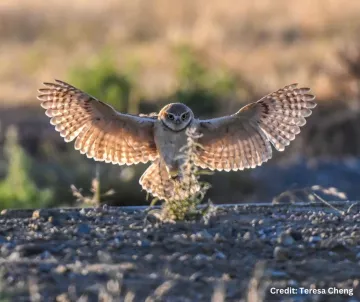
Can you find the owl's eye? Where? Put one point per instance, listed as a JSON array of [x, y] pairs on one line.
[[184, 116], [170, 117]]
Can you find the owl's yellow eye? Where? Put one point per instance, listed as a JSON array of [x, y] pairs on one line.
[[170, 116], [184, 116]]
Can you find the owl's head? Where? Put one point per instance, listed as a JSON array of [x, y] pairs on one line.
[[176, 116]]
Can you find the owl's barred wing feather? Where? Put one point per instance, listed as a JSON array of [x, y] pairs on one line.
[[243, 139], [100, 132], [157, 182]]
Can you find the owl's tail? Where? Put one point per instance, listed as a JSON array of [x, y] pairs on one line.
[[157, 181]]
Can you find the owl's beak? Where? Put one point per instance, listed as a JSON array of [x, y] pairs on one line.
[[177, 121]]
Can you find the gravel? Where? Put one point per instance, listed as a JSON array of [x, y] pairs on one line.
[[238, 254]]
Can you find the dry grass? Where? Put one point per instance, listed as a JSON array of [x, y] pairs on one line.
[[271, 43]]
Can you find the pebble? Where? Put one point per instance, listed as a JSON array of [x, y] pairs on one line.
[[37, 214], [61, 269], [149, 257], [46, 255], [83, 228], [248, 236], [14, 256], [200, 236], [279, 274], [285, 239], [281, 253], [54, 221], [144, 243], [6, 249], [104, 257], [196, 276], [332, 254], [296, 235], [219, 255], [219, 238], [201, 257], [293, 283], [314, 239]]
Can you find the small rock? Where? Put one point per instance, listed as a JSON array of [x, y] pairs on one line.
[[196, 276], [61, 269], [281, 253], [314, 239], [279, 274], [354, 234], [144, 243], [62, 298], [37, 214], [201, 236], [83, 228], [14, 256], [153, 275], [149, 257], [219, 238], [201, 257], [285, 239], [54, 221], [104, 257], [46, 255], [248, 236], [184, 258], [296, 235], [6, 249], [293, 283], [219, 255]]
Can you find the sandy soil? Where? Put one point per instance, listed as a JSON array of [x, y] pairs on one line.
[[238, 254]]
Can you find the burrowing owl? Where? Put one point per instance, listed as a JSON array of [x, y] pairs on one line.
[[235, 142]]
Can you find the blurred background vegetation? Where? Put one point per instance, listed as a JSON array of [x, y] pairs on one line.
[[138, 55]]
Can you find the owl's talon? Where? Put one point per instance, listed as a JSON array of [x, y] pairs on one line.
[[174, 175]]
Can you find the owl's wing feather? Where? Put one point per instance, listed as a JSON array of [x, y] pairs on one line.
[[242, 140], [100, 131]]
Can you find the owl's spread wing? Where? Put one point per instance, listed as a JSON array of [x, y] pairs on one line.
[[100, 132], [243, 139]]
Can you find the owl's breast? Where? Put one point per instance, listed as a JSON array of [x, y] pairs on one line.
[[169, 144]]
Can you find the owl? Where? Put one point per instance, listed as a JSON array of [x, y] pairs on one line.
[[239, 141]]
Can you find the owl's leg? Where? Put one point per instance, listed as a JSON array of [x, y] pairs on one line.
[[173, 172]]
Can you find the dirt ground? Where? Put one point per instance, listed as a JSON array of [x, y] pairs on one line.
[[239, 253]]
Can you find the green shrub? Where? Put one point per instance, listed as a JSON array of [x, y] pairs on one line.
[[102, 80], [17, 190]]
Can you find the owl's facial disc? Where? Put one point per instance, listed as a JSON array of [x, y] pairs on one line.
[[176, 116]]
